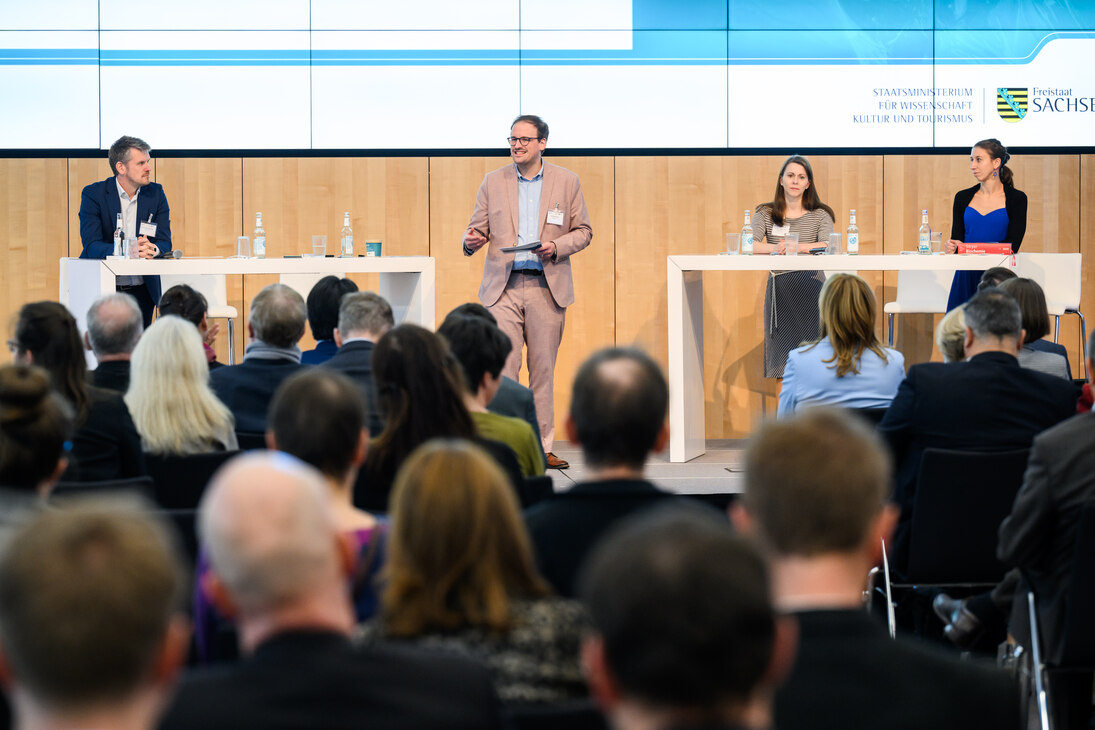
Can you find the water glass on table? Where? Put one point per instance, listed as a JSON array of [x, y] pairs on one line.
[[937, 241], [132, 248], [790, 244], [319, 246], [733, 243], [834, 244], [243, 247]]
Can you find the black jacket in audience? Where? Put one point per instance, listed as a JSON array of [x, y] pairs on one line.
[[248, 388], [112, 375], [106, 445], [355, 360], [318, 680]]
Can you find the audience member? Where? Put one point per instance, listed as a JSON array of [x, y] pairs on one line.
[[105, 444], [280, 566], [816, 489], [276, 325], [684, 632], [184, 301], [950, 335], [173, 407], [994, 277], [481, 349], [420, 392], [114, 324], [1037, 354], [618, 417], [468, 583], [847, 365], [1039, 538], [986, 402], [92, 633], [512, 398], [363, 318], [323, 312]]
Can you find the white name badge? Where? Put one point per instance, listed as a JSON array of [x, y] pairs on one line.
[[781, 230], [555, 216], [147, 229]]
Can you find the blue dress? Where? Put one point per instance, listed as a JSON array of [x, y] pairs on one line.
[[989, 228]]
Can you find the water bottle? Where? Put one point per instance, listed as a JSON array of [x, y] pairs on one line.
[[924, 242], [852, 235], [258, 238], [347, 236], [119, 237], [747, 237]]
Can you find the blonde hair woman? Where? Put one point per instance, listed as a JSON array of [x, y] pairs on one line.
[[950, 335], [169, 396], [460, 575], [847, 365]]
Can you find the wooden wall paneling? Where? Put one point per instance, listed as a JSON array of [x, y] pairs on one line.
[[1086, 215], [206, 199], [301, 197], [590, 320], [33, 224], [82, 172]]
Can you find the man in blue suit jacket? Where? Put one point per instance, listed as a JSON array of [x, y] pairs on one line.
[[145, 216]]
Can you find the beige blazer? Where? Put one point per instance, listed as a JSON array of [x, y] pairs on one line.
[[495, 216]]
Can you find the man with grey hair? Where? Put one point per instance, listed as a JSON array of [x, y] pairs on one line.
[[984, 403], [114, 324], [144, 212], [92, 626], [363, 318], [280, 567], [276, 325]]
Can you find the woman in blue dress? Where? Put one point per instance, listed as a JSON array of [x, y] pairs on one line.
[[992, 211]]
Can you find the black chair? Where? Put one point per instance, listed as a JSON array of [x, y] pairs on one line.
[[249, 441], [1077, 635], [140, 486], [535, 489], [575, 715], [178, 485], [873, 416]]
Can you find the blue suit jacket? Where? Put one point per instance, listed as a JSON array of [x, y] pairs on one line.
[[99, 209]]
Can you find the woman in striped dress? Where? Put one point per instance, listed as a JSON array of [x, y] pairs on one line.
[[790, 299]]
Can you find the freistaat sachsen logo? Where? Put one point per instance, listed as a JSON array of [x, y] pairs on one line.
[[1011, 104]]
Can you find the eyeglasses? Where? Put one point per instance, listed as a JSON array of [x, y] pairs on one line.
[[523, 140], [13, 346]]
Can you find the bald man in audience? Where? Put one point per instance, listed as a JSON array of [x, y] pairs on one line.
[[114, 325], [684, 632], [280, 566], [816, 490], [91, 623]]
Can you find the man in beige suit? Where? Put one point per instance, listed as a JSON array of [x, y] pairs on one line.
[[528, 202]]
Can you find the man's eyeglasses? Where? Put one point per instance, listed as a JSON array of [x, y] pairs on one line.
[[13, 346], [523, 140]]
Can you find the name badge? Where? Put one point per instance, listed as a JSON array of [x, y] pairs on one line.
[[147, 229], [781, 230], [555, 216]]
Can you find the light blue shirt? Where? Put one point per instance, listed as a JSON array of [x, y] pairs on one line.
[[809, 381], [528, 218]]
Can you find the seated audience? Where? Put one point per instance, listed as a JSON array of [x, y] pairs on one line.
[[481, 349], [276, 326], [105, 444], [950, 335], [92, 634], [816, 491], [173, 407], [985, 403], [279, 565], [420, 392], [323, 307], [512, 398], [618, 416], [468, 581], [363, 318], [1038, 539], [184, 301], [684, 632], [1037, 354], [995, 276], [114, 324], [847, 365]]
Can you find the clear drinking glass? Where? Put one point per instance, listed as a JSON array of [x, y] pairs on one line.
[[834, 244], [243, 247], [319, 246], [733, 243], [937, 241], [132, 248], [790, 244]]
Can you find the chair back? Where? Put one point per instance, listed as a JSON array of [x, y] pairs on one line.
[[248, 440], [535, 489], [180, 481], [214, 288], [1059, 275], [140, 486], [1078, 631], [921, 292], [873, 416], [574, 715], [961, 499]]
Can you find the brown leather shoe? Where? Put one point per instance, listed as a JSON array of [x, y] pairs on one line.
[[554, 462]]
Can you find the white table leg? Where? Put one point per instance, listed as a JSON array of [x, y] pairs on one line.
[[686, 398]]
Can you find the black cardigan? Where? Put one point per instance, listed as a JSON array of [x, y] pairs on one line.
[[1015, 203]]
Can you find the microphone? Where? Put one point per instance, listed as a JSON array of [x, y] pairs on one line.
[[172, 254]]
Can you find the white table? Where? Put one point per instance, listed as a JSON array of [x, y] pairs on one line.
[[407, 282], [685, 288]]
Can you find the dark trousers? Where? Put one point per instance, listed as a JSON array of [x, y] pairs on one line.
[[144, 301]]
